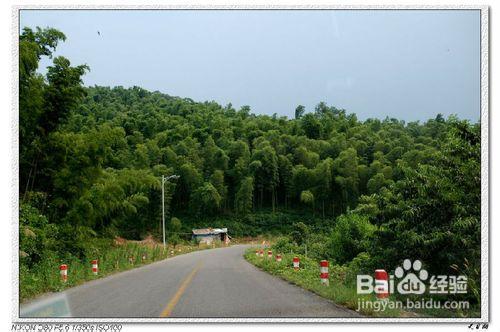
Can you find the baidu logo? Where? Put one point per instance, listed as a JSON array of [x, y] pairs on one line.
[[410, 278]]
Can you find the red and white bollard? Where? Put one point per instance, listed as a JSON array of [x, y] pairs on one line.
[[381, 284], [269, 254], [261, 253], [63, 268], [278, 258], [257, 253], [296, 263], [95, 267], [323, 269]]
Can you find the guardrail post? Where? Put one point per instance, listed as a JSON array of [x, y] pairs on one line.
[[381, 284], [95, 267], [324, 272], [63, 269], [296, 263]]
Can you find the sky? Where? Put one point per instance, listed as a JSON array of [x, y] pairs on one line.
[[406, 64]]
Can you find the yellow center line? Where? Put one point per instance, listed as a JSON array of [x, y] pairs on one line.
[[177, 296]]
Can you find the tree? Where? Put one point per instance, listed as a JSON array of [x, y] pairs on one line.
[[114, 200], [307, 197], [175, 227], [217, 180], [433, 213], [351, 236], [215, 158], [299, 111], [266, 176], [300, 233], [321, 109], [305, 157], [311, 126], [375, 183], [285, 170], [345, 168], [323, 188], [63, 93], [189, 180], [206, 199], [43, 105], [244, 196], [32, 46]]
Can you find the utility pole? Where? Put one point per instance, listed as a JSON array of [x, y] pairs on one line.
[[163, 180]]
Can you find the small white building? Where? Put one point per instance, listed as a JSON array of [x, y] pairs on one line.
[[211, 235]]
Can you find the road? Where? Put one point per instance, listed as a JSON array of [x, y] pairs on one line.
[[215, 283]]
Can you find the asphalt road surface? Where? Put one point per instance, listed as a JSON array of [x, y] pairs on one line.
[[215, 283]]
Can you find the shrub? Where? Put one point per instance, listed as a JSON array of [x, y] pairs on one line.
[[300, 233], [350, 236], [361, 264], [36, 235], [284, 245]]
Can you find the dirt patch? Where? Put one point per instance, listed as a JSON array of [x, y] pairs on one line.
[[257, 240], [148, 241]]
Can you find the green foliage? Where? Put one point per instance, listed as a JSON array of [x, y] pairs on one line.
[[206, 199], [433, 213], [307, 197], [346, 178], [300, 233], [283, 244], [342, 283], [350, 236], [114, 200], [317, 247], [63, 92], [36, 235], [299, 111], [115, 129], [91, 160], [311, 126], [244, 196], [44, 276], [175, 227], [340, 291], [217, 180]]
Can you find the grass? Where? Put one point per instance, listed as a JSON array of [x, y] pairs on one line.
[[45, 276], [340, 291], [307, 277]]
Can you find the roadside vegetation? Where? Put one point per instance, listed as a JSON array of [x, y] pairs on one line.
[[342, 289], [370, 192], [112, 255], [342, 283]]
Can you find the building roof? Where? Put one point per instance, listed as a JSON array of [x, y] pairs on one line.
[[209, 231]]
